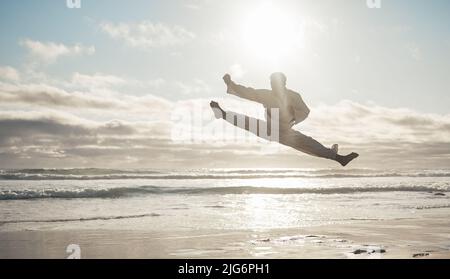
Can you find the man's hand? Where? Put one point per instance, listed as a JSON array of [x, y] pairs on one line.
[[227, 79]]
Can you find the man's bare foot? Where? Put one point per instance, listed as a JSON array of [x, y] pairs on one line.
[[219, 113], [344, 160]]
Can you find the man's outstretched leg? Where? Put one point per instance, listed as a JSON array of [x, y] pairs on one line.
[[345, 160], [258, 127], [308, 145]]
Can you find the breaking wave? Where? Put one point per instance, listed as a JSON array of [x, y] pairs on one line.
[[112, 174], [114, 193], [97, 218]]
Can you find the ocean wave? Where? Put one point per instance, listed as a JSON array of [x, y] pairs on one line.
[[96, 218], [112, 193], [78, 171], [8, 175]]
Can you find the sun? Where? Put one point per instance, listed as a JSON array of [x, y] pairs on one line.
[[271, 33]]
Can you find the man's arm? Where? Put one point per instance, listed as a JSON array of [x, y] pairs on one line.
[[300, 109], [255, 95]]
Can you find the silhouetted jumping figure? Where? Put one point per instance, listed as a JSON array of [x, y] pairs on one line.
[[291, 110]]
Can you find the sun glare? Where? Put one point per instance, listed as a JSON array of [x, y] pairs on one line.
[[271, 33]]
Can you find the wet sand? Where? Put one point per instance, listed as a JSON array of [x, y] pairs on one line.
[[402, 238]]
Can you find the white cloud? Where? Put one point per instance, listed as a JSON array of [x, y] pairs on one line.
[[195, 4], [385, 137], [146, 34], [9, 73], [49, 52], [104, 81], [194, 89], [97, 80], [48, 96], [100, 123], [381, 123]]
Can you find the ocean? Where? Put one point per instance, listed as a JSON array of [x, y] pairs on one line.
[[219, 199]]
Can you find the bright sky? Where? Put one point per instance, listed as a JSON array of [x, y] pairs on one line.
[[149, 55]]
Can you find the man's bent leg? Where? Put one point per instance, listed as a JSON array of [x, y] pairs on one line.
[[305, 144]]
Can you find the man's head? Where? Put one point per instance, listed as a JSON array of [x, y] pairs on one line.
[[278, 82]]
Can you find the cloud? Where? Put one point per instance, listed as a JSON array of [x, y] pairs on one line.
[[30, 125], [9, 73], [146, 34], [195, 4], [49, 52], [104, 81], [42, 137], [354, 122], [394, 137], [97, 80], [58, 128], [54, 139], [49, 96], [50, 125], [54, 97], [196, 88]]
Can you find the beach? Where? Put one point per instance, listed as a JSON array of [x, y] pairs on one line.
[[225, 214], [400, 239]]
